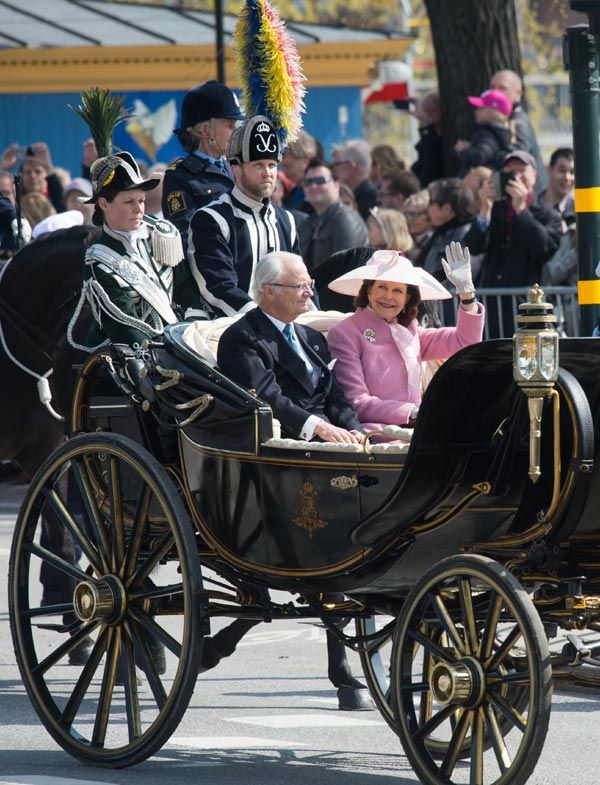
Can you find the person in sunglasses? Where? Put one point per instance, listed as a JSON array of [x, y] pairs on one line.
[[332, 226], [287, 363]]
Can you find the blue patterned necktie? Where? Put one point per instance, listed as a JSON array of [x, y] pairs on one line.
[[290, 337]]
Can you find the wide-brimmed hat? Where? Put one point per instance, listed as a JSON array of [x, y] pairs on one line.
[[115, 173], [390, 266]]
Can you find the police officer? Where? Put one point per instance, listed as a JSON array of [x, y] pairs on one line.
[[209, 113]]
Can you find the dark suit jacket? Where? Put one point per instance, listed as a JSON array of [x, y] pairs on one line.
[[256, 355]]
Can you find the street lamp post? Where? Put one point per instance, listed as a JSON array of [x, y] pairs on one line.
[[219, 42], [581, 56]]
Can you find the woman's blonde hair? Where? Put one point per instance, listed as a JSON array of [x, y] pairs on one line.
[[35, 207], [418, 201], [393, 228]]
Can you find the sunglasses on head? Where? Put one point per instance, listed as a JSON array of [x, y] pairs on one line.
[[321, 180]]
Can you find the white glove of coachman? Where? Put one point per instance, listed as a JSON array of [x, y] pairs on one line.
[[457, 266]]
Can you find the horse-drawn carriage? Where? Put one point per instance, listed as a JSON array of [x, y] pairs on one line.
[[455, 566]]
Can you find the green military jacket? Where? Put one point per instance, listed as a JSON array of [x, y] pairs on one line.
[[136, 279]]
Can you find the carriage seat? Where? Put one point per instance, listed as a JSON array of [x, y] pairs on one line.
[[202, 337]]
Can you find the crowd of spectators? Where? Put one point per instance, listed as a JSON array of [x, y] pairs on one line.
[[515, 213]]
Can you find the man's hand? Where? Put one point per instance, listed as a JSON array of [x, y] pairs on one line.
[[461, 144], [10, 157], [487, 196], [518, 192], [331, 433], [42, 154]]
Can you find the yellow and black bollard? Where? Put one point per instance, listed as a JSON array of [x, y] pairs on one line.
[[582, 56]]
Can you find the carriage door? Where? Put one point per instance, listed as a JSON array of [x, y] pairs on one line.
[[310, 504]]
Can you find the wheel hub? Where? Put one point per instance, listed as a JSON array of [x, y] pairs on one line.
[[458, 682], [103, 600]]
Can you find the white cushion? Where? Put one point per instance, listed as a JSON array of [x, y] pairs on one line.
[[397, 448], [203, 336], [322, 321]]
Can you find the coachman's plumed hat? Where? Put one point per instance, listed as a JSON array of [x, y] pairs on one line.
[[115, 173], [254, 140]]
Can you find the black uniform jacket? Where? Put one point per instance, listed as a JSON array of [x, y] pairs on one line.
[[257, 356], [189, 184]]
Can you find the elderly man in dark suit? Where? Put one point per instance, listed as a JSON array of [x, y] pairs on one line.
[[288, 364]]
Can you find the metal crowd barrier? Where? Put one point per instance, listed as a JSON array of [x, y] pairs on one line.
[[501, 307]]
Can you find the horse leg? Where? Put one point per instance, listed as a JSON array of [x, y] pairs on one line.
[[352, 694]]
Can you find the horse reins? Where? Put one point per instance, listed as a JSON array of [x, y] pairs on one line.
[[10, 315]]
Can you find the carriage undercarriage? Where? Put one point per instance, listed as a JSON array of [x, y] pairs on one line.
[[455, 652]]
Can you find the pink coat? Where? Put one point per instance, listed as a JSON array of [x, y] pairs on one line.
[[379, 365]]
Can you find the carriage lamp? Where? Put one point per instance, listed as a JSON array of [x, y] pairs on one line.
[[535, 364]]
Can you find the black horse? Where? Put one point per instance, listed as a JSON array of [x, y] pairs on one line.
[[39, 290]]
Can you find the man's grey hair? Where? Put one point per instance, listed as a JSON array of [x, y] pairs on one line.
[[270, 269], [357, 151]]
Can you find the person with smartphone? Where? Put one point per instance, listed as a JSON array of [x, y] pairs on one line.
[[515, 231]]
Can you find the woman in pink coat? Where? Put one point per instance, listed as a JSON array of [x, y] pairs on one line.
[[379, 349]]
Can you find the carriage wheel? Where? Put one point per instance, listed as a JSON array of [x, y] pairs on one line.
[[376, 664], [468, 640], [132, 603]]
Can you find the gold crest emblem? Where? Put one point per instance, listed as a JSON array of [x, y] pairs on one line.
[[175, 202], [309, 518]]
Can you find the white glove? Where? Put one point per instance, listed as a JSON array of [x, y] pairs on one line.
[[25, 230], [457, 267]]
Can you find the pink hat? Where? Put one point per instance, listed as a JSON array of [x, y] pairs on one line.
[[390, 266], [494, 99]]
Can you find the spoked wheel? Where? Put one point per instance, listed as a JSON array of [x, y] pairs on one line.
[[376, 665], [132, 604], [471, 676], [375, 660]]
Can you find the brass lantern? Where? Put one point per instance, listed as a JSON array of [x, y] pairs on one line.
[[535, 364]]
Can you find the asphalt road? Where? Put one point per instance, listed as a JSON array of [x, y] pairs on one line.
[[265, 716]]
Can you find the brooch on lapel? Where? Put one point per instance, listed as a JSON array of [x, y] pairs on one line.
[[316, 347], [369, 334]]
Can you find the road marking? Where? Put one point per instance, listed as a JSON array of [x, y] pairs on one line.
[[304, 721], [228, 742]]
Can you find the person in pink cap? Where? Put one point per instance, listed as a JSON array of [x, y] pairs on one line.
[[491, 139], [379, 348]]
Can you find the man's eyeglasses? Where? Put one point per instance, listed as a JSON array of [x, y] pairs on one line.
[[309, 286], [316, 180]]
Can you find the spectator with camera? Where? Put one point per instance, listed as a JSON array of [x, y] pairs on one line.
[[517, 233]]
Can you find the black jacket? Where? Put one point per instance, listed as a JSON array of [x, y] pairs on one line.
[[366, 196], [256, 355], [227, 238], [189, 184], [489, 144], [516, 249], [429, 165], [8, 240], [337, 228]]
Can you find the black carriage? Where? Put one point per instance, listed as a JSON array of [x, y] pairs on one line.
[[454, 565]]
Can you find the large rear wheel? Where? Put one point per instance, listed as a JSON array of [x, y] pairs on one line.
[[470, 672], [110, 668]]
